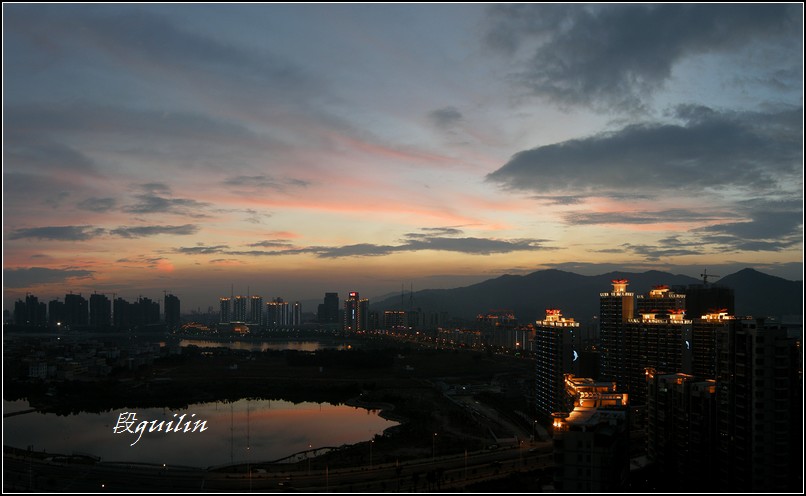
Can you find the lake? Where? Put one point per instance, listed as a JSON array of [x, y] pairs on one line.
[[242, 431]]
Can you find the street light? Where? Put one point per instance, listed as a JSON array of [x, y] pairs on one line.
[[433, 447], [371, 442], [308, 455]]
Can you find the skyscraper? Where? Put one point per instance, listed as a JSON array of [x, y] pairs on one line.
[[100, 311], [296, 314], [76, 311], [615, 309], [172, 312], [277, 314], [256, 310], [226, 312], [554, 357], [328, 311], [352, 313], [239, 309]]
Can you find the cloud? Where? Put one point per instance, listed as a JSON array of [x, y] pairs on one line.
[[434, 231], [708, 151], [58, 233], [145, 231], [24, 277], [266, 182], [153, 204], [270, 244], [39, 154], [97, 204], [202, 250], [614, 56], [446, 117], [661, 216]]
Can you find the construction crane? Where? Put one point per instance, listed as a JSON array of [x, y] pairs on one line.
[[705, 275]]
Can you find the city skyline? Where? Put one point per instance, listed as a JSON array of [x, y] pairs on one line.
[[306, 149]]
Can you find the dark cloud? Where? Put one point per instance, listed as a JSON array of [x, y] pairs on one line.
[[270, 244], [266, 182], [153, 204], [767, 230], [23, 277], [446, 117], [613, 56], [710, 150], [97, 204], [145, 231], [202, 250], [663, 216], [58, 233], [656, 252]]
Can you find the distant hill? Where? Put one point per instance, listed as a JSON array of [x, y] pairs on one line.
[[578, 296], [763, 295]]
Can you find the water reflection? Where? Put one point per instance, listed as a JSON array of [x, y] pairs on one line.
[[246, 430], [258, 346]]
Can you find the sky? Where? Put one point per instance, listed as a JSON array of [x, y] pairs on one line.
[[291, 150]]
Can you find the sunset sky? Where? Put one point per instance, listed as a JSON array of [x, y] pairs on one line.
[[290, 150]]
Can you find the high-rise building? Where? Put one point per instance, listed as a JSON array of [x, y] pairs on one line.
[[760, 409], [661, 300], [296, 314], [355, 318], [226, 310], [681, 431], [652, 341], [328, 312], [703, 299], [277, 314], [31, 312], [76, 310], [591, 448], [256, 310], [55, 313], [704, 330], [145, 312], [122, 314], [395, 320], [615, 309], [100, 311], [554, 357], [172, 312], [239, 309]]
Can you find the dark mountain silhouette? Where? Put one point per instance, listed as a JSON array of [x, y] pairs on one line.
[[762, 295], [528, 296]]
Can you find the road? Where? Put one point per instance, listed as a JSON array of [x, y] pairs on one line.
[[22, 473]]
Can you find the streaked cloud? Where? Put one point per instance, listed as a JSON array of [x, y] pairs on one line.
[[58, 233], [97, 204], [711, 150], [146, 231], [446, 117]]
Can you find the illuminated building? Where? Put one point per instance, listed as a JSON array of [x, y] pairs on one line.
[[660, 299], [226, 312], [555, 356], [615, 309], [256, 310], [591, 449], [681, 431], [171, 312], [656, 341], [239, 309], [55, 313], [703, 341], [356, 313], [277, 313], [394, 320], [296, 314], [704, 299]]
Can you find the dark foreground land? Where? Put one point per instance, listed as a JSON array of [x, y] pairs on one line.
[[409, 383]]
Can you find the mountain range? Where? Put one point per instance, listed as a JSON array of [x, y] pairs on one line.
[[577, 296]]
